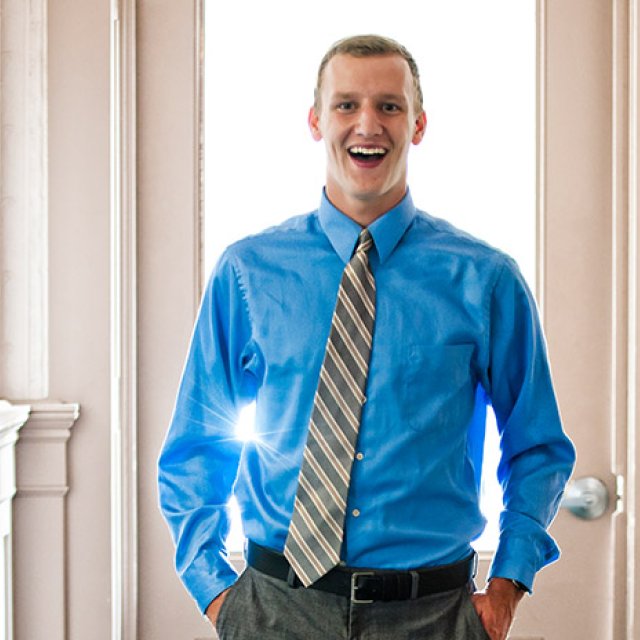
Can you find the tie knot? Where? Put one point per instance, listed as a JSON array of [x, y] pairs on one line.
[[365, 241]]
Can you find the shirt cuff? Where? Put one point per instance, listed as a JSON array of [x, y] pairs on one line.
[[205, 587], [520, 559]]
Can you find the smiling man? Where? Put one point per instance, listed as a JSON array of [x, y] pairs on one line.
[[368, 113], [371, 336]]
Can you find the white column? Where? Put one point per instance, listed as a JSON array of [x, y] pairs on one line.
[[23, 199], [11, 419]]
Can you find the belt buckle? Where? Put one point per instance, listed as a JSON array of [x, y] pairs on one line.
[[354, 587]]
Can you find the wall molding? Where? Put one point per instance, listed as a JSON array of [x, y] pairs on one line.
[[625, 179], [633, 322], [23, 200], [124, 483], [541, 135], [41, 468], [39, 506]]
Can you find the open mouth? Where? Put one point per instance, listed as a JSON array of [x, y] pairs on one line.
[[367, 155]]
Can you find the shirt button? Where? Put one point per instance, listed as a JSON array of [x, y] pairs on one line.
[[355, 513], [359, 455]]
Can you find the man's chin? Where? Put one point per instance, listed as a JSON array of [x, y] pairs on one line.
[[377, 194]]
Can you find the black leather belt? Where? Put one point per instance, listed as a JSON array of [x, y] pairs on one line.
[[368, 585]]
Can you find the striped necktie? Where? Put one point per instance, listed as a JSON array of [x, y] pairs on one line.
[[316, 530]]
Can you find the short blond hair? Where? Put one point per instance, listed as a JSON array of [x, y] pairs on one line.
[[365, 46]]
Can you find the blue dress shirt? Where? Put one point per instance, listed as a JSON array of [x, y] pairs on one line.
[[456, 328]]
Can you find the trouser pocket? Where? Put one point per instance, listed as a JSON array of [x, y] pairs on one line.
[[473, 620], [226, 610]]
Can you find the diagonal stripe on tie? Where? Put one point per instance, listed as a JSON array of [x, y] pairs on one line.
[[350, 342], [356, 280], [347, 379], [321, 480], [345, 411], [354, 315], [329, 455], [334, 426], [317, 523], [320, 506], [314, 529]]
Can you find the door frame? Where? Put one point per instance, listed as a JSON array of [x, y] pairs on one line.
[[626, 311], [156, 60]]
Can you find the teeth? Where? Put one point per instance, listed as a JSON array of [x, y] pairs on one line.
[[368, 151]]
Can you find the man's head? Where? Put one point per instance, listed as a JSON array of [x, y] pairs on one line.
[[368, 110], [364, 47]]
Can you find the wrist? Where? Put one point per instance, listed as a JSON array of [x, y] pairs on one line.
[[518, 585], [507, 586]]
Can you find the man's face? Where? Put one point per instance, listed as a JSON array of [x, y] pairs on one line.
[[367, 119]]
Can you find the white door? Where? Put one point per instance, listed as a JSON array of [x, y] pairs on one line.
[[581, 244]]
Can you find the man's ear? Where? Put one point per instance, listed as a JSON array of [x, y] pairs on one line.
[[314, 124], [421, 125]]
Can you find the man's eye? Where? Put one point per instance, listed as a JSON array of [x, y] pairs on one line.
[[389, 107], [346, 106]]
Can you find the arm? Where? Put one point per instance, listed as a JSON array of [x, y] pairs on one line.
[[537, 457], [200, 456]]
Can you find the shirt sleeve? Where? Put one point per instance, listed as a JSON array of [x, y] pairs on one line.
[[199, 459], [537, 458]]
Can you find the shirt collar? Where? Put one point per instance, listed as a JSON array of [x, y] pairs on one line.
[[386, 231]]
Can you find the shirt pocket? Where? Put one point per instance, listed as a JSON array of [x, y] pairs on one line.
[[438, 387]]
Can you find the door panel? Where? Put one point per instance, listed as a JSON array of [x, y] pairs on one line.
[[576, 294]]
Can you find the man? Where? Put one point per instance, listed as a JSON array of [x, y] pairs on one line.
[[372, 336]]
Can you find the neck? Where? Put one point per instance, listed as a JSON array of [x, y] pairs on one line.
[[364, 211]]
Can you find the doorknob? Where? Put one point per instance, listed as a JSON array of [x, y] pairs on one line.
[[587, 498]]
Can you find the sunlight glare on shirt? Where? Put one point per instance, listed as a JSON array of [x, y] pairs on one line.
[[245, 427]]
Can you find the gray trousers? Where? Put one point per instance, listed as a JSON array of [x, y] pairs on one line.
[[259, 607]]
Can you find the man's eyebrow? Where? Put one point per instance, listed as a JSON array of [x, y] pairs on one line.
[[343, 95], [392, 97], [384, 97]]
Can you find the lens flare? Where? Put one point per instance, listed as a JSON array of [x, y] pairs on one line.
[[245, 427]]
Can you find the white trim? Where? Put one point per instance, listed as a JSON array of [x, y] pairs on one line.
[[625, 321], [23, 200], [199, 173], [620, 174], [11, 420], [40, 577], [633, 507], [12, 417], [47, 430], [541, 169], [618, 225], [124, 525]]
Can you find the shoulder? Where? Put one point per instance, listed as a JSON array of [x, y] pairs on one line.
[[289, 233], [265, 252], [440, 236]]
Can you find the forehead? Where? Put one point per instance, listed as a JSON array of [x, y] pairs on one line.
[[383, 74]]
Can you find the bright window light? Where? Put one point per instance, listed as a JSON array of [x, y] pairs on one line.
[[475, 167]]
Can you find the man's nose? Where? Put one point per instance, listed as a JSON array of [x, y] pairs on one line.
[[368, 123]]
